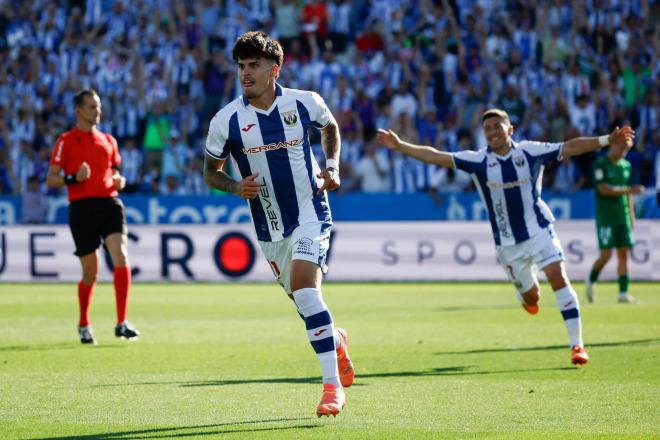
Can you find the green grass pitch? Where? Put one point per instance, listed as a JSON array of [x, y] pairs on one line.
[[445, 360]]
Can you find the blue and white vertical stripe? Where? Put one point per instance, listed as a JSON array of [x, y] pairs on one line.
[[275, 144], [510, 187]]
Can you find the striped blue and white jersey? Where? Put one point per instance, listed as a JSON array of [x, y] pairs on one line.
[[275, 144], [510, 187]]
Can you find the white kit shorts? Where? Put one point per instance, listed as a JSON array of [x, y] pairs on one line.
[[520, 261], [309, 242]]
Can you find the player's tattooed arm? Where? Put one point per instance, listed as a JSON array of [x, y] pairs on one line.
[[331, 140], [216, 177]]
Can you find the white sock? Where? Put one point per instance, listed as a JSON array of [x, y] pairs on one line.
[[569, 306], [320, 331], [520, 297]]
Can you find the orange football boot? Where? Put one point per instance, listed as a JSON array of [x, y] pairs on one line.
[[532, 310], [579, 355], [332, 401], [346, 371]]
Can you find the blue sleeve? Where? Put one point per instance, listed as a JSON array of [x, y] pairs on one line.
[[468, 161]]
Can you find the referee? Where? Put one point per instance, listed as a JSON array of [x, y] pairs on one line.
[[87, 160]]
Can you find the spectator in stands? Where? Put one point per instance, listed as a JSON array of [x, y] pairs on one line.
[[339, 17], [583, 115], [403, 102], [567, 177], [175, 53], [175, 157], [132, 161], [315, 25], [372, 172], [443, 180], [287, 22], [193, 181], [636, 80], [34, 202], [156, 136]]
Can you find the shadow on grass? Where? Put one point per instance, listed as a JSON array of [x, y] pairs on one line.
[[555, 347], [446, 371], [57, 347], [192, 431], [476, 307]]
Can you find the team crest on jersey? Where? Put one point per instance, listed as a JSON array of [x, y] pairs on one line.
[[519, 161], [290, 118]]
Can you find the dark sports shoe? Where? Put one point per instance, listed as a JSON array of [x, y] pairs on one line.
[[126, 330], [86, 335]]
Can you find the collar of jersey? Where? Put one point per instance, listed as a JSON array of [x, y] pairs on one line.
[[93, 132], [514, 146], [278, 92]]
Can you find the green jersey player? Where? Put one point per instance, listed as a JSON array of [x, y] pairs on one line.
[[615, 217]]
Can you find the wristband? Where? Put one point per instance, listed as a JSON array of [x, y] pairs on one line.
[[604, 140], [332, 163], [70, 179]]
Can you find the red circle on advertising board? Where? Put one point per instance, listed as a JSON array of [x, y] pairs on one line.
[[235, 254]]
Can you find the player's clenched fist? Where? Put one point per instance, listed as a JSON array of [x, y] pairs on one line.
[[330, 178], [248, 188], [119, 181]]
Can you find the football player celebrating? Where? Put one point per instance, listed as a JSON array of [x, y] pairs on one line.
[[508, 177], [265, 133]]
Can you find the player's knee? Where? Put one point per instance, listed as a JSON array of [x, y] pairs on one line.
[[304, 274], [301, 282], [119, 258], [121, 261], [606, 254], [556, 275]]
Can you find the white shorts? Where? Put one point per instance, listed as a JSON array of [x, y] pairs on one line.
[[309, 242], [520, 261]]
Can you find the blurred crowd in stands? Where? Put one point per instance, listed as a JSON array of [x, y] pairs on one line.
[[426, 68]]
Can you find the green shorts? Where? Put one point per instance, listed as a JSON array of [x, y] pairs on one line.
[[614, 236]]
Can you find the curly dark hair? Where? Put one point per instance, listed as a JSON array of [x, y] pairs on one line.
[[257, 45]]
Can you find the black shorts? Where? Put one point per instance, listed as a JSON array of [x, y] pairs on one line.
[[94, 219]]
